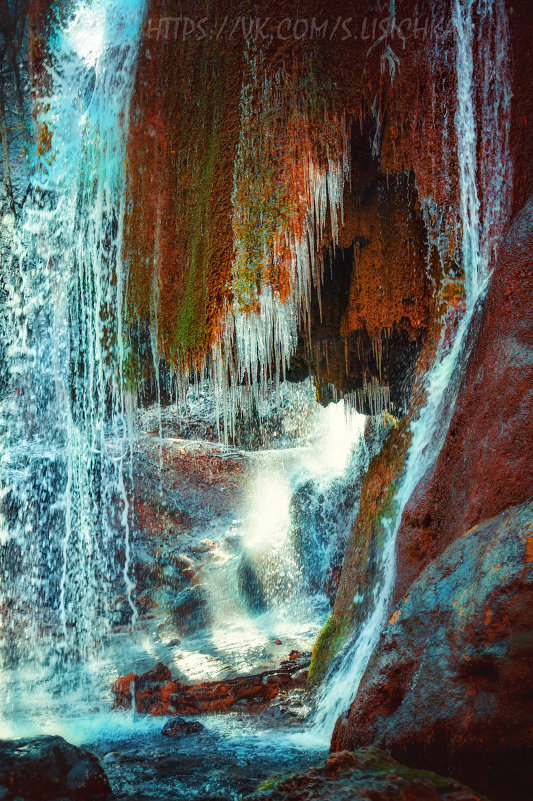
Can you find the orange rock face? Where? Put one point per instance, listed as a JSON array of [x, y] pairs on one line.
[[227, 151], [484, 465], [157, 694]]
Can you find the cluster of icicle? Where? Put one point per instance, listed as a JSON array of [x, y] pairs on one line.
[[253, 349]]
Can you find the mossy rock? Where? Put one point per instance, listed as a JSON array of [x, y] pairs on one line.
[[366, 773], [330, 640]]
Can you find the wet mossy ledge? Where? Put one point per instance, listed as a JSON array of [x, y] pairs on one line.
[[368, 772], [330, 640], [230, 142], [377, 505], [254, 166]]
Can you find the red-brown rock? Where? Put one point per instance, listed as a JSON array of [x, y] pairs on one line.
[[156, 693], [485, 463], [367, 774]]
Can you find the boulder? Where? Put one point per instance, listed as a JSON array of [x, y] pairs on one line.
[[176, 726], [367, 773], [46, 768], [189, 608], [449, 686]]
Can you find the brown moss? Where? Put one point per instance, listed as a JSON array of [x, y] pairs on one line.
[[222, 134]]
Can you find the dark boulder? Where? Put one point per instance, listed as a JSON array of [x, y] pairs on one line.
[[179, 725], [189, 608], [250, 585], [47, 768]]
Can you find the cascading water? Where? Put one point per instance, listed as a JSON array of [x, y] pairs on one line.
[[64, 415], [270, 570], [482, 73], [69, 429]]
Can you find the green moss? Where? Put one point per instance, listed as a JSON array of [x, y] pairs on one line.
[[387, 510], [190, 328], [329, 641], [260, 198], [369, 532], [272, 782]]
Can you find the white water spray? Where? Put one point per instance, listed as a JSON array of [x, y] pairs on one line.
[[66, 433]]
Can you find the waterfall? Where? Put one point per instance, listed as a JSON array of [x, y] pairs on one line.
[[66, 518], [64, 413], [482, 85], [267, 574]]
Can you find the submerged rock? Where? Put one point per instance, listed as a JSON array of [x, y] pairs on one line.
[[367, 773], [177, 726], [47, 768]]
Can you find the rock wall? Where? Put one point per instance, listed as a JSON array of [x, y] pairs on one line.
[[449, 684], [485, 465]]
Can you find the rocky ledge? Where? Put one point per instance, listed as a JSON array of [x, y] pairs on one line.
[[48, 769], [367, 773], [157, 693]]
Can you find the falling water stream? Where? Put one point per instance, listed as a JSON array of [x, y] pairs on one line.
[[65, 510], [69, 430], [481, 230]]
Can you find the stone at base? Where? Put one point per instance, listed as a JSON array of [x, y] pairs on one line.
[[367, 773], [177, 726], [47, 768]]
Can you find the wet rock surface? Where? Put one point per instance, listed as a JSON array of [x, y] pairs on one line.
[[449, 685], [208, 766], [48, 768], [156, 693], [367, 773], [484, 465]]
